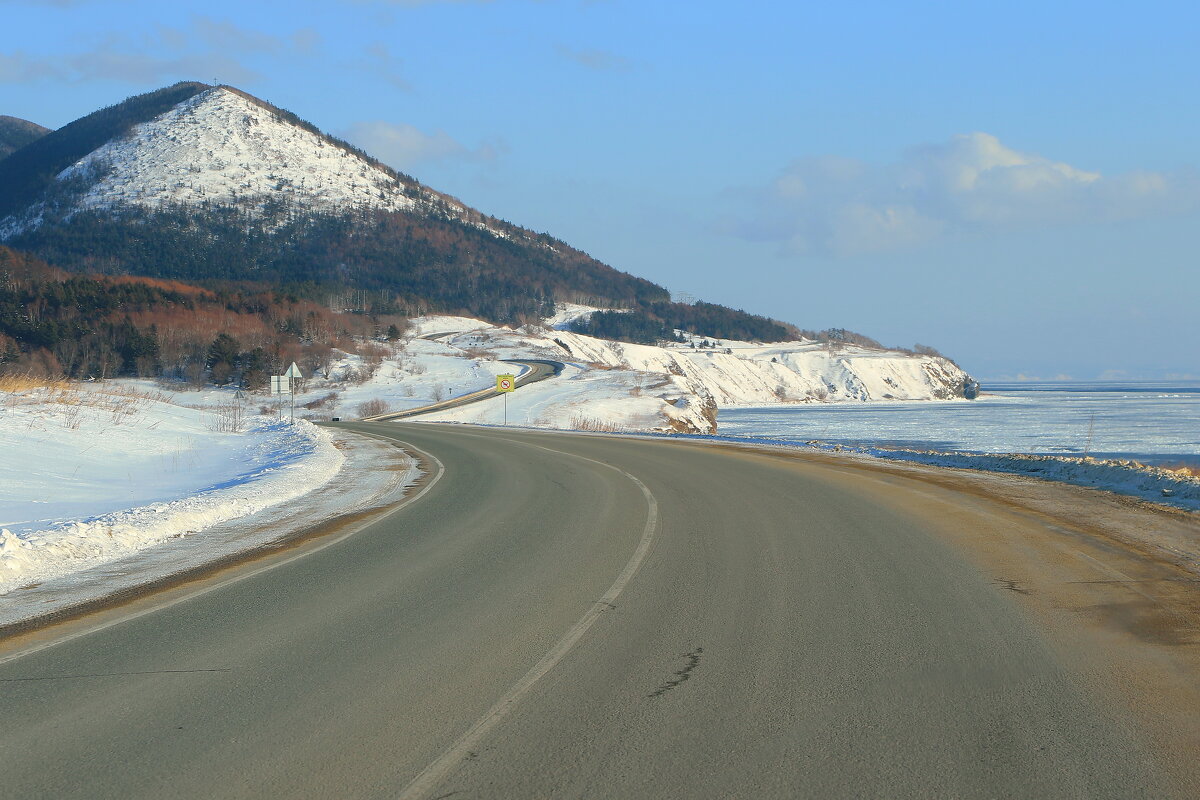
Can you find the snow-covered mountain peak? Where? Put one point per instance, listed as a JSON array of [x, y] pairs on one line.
[[223, 148]]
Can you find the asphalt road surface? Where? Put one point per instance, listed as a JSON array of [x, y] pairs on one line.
[[580, 616]]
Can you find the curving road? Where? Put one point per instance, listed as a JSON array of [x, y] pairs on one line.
[[583, 616], [536, 370]]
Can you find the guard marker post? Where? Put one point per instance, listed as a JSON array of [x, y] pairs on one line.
[[504, 385]]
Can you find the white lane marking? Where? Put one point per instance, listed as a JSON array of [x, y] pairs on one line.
[[437, 770], [441, 469]]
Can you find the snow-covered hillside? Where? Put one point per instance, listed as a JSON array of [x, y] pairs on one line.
[[220, 147]]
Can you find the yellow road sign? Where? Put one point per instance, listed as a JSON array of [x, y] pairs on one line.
[[506, 383]]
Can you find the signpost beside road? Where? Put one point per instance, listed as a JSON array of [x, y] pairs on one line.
[[504, 385], [286, 384]]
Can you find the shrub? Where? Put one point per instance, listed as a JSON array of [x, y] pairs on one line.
[[373, 407]]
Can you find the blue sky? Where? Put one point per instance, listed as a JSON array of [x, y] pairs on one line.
[[1013, 183]]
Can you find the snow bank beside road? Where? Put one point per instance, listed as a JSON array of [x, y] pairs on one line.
[[94, 474]]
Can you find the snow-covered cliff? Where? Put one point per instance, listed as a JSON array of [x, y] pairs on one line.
[[680, 387], [740, 373]]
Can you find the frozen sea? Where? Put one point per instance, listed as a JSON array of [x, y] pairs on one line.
[[1155, 423]]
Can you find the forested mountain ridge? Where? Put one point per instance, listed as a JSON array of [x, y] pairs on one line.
[[207, 184], [15, 133]]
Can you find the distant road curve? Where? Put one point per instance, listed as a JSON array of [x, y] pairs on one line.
[[536, 370]]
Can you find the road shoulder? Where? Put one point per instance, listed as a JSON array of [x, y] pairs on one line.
[[1114, 581]]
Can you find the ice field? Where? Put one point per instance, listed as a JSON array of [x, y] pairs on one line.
[[1155, 423]]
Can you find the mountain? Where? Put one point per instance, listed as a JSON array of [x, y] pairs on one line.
[[15, 133], [208, 183], [213, 186], [198, 233]]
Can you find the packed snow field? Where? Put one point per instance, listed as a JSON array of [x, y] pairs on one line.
[[92, 473], [1155, 423]]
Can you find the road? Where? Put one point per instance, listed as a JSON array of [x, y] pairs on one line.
[[537, 370], [588, 616]]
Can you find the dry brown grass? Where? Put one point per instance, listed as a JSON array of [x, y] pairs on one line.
[[122, 402], [24, 381], [228, 417]]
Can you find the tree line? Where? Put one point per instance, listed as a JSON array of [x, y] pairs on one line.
[[57, 323], [659, 321]]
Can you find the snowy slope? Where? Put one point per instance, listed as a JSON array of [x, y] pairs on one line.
[[732, 372], [617, 386], [566, 314], [745, 373], [93, 473], [583, 398], [220, 147]]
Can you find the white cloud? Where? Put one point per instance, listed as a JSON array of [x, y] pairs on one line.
[[134, 67], [225, 35], [971, 183], [417, 3], [208, 50], [599, 60], [19, 67], [379, 61], [403, 146]]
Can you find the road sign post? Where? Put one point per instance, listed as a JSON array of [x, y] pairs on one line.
[[504, 385], [279, 385], [293, 372], [286, 384]]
